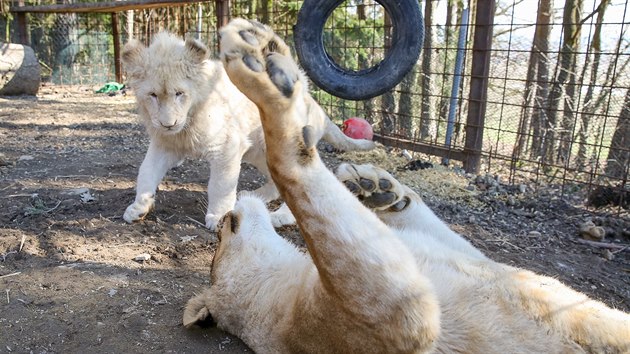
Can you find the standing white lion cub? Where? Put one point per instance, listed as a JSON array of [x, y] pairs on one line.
[[191, 109], [383, 274]]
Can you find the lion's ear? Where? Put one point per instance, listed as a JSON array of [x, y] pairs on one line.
[[196, 51], [133, 57]]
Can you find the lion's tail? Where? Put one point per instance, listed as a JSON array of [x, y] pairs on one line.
[[341, 141]]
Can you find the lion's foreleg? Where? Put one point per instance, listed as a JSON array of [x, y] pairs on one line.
[[152, 170], [224, 173], [417, 216]]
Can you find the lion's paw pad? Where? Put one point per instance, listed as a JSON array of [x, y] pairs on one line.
[[373, 186], [265, 57]]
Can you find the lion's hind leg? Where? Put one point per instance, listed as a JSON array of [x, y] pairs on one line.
[[595, 326], [365, 274], [374, 187], [400, 207]]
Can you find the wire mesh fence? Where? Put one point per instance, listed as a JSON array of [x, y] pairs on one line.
[[78, 47], [73, 48], [557, 107]]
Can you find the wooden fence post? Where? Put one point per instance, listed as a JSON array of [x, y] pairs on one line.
[[22, 26], [223, 13], [117, 58], [482, 45]]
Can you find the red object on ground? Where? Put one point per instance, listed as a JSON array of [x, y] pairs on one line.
[[357, 128]]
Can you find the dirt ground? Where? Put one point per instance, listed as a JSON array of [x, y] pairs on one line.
[[69, 281]]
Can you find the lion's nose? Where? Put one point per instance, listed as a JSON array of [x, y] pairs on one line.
[[168, 126]]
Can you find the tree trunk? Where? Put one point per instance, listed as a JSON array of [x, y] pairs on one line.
[[368, 105], [619, 153], [405, 101], [427, 116], [589, 107], [20, 73], [564, 83], [264, 9], [569, 116], [251, 11], [612, 74], [64, 37], [541, 52], [453, 14], [129, 24], [388, 103], [530, 88], [405, 104]]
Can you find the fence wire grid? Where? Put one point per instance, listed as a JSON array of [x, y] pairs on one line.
[[558, 90]]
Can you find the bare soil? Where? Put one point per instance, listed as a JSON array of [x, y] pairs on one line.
[[69, 281]]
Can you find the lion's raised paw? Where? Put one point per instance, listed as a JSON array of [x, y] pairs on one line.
[[257, 61], [373, 186]]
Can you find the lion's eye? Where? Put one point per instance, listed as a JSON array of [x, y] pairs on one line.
[[178, 93], [153, 94]]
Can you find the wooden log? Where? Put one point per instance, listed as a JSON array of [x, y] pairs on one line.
[[20, 73]]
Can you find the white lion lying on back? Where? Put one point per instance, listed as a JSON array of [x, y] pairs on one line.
[[383, 274], [191, 109]]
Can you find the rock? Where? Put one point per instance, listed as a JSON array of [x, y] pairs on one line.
[[511, 201], [522, 188], [329, 148], [589, 231], [68, 204], [87, 197], [609, 255], [416, 165], [142, 257], [4, 161], [534, 234], [76, 191], [20, 73], [459, 171], [187, 238], [608, 195]]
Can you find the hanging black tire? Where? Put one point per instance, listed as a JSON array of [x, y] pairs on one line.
[[407, 41]]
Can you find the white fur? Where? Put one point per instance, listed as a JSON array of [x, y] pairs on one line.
[[392, 280], [190, 109]]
